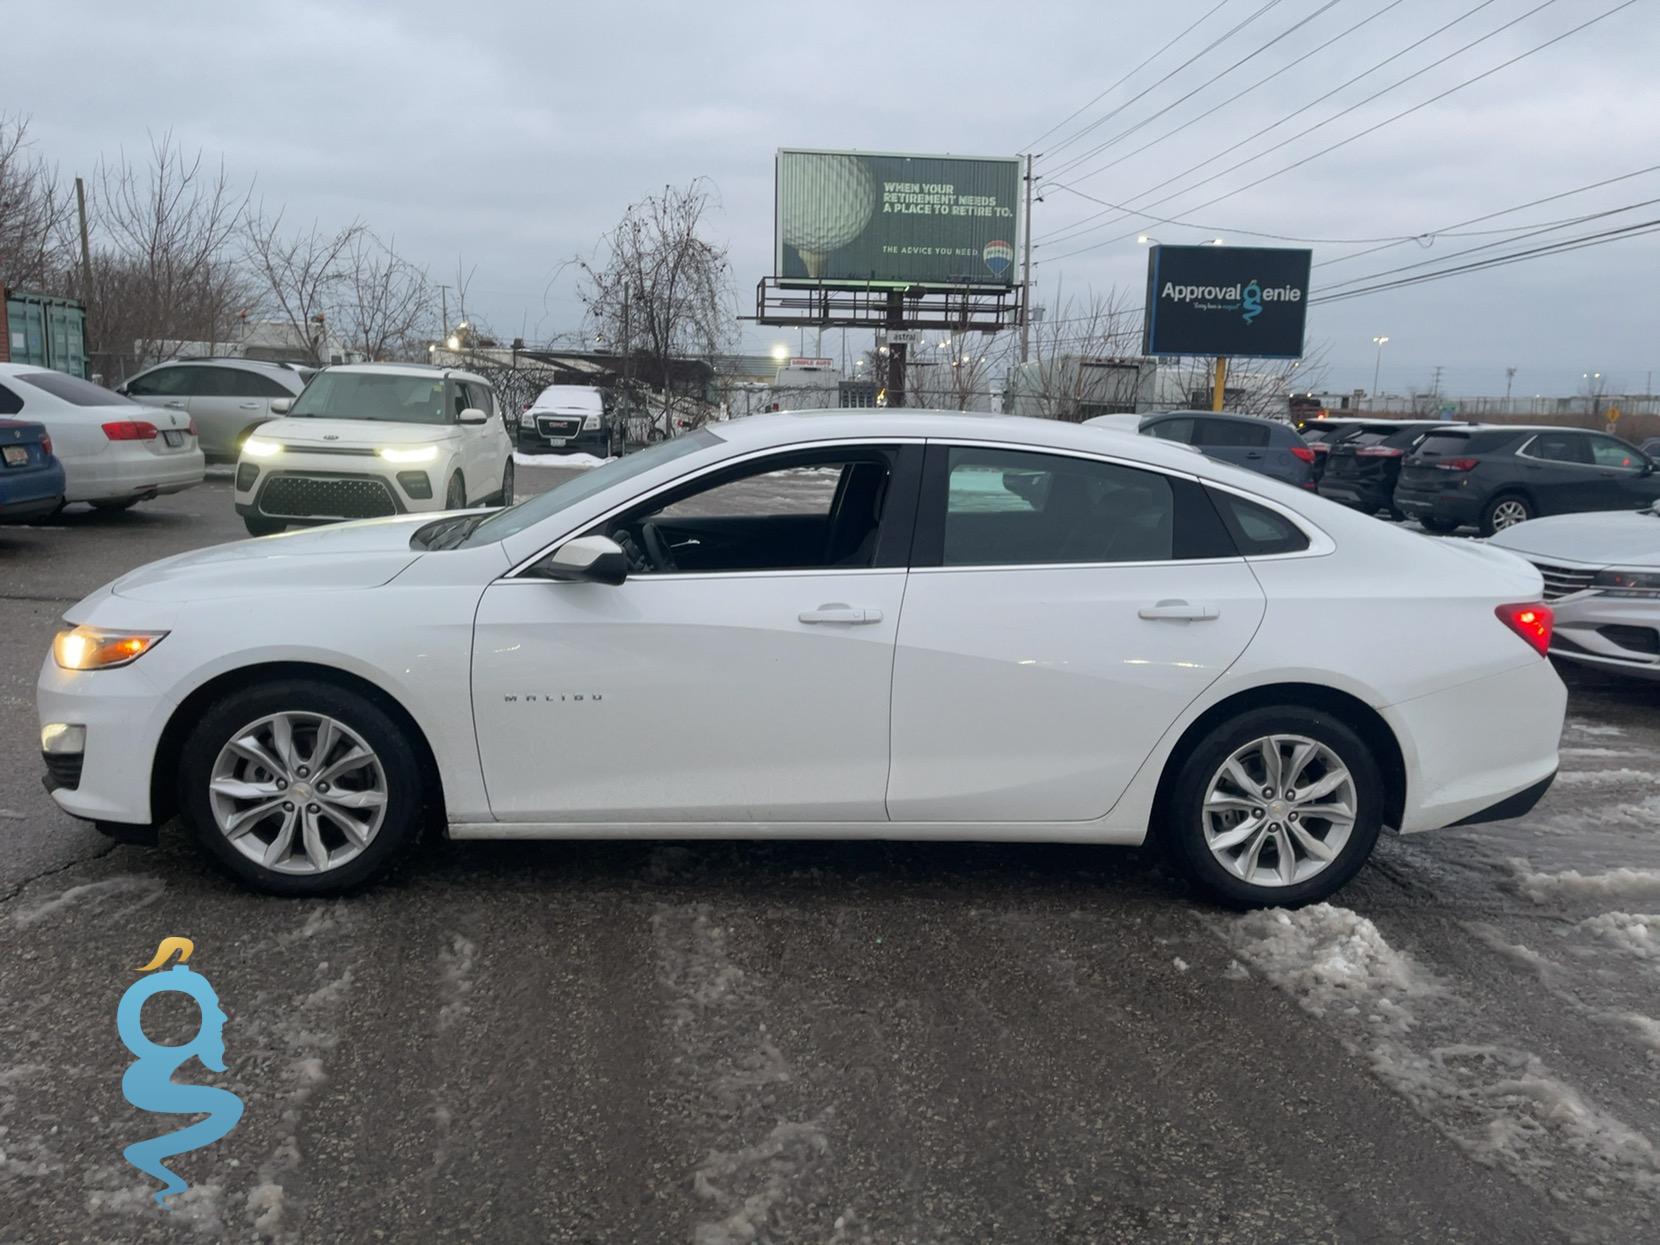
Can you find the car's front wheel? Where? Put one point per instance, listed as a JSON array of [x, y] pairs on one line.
[[300, 788], [455, 495], [1275, 807]]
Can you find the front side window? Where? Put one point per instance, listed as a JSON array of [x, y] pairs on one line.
[[164, 382], [1612, 452], [807, 510], [379, 396], [1021, 508]]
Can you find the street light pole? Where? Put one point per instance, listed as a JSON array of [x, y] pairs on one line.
[[1376, 368]]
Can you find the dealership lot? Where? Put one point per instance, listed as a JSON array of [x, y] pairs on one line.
[[885, 1042]]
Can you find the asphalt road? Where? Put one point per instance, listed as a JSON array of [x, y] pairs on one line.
[[774, 1042]]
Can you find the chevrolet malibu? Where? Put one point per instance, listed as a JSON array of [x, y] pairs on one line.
[[888, 625]]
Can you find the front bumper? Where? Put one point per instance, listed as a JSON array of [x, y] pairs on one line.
[[1615, 633], [123, 713], [297, 487], [590, 441]]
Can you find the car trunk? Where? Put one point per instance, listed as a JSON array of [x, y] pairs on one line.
[[1422, 468]]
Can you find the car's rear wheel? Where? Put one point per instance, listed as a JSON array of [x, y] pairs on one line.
[[1505, 510], [455, 494], [1275, 807], [259, 525], [1442, 526], [300, 788]]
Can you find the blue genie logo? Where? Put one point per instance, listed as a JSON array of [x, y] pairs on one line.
[[1252, 301], [148, 1084]]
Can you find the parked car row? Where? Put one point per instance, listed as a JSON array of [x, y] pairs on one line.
[[112, 451]]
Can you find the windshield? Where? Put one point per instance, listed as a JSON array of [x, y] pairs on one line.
[[515, 519], [382, 396], [72, 389]]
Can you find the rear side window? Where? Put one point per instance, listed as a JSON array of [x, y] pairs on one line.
[[247, 384], [1230, 434], [1171, 430], [1559, 447], [163, 382], [1258, 531], [1444, 445], [10, 403]]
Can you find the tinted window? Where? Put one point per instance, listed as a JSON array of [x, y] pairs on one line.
[[1171, 430], [10, 403], [1014, 507], [1612, 452], [1559, 447], [1230, 434], [1257, 530], [248, 384], [168, 382], [1444, 444], [72, 389]]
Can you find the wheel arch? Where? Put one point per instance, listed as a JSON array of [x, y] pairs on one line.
[[165, 766], [1355, 713]]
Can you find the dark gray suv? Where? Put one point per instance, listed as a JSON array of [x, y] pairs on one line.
[[1262, 445]]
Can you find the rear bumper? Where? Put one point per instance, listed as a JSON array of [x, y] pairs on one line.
[[107, 477], [33, 505], [1450, 507], [1518, 805], [1478, 745], [1367, 497]]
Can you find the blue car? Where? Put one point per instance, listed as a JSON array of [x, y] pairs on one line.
[[31, 477]]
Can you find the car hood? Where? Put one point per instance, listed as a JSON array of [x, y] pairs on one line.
[[1607, 538], [351, 433], [344, 556]]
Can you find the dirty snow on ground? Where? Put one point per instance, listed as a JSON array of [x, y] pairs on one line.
[[1623, 882], [138, 889], [1501, 1104], [574, 462]]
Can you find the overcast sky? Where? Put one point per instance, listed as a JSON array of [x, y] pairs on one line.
[[506, 137]]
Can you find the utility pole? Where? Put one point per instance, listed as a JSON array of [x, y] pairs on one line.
[[1026, 275], [444, 298], [1219, 383], [86, 247], [1435, 384], [1509, 379]]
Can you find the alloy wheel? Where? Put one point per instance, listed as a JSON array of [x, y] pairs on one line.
[[1508, 513], [1279, 810], [298, 792]]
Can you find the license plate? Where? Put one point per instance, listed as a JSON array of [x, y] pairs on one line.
[[557, 440], [16, 456], [173, 439]]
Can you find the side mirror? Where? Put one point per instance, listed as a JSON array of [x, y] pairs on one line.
[[281, 406], [472, 415], [121, 389], [587, 559]]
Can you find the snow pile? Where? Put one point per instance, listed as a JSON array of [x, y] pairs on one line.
[[1335, 963], [1572, 884], [1635, 933], [1608, 777], [577, 461], [455, 970]]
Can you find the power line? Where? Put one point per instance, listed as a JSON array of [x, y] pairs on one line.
[[1213, 44], [1289, 65], [1388, 120], [1563, 246], [1077, 228], [1429, 236], [1085, 108]]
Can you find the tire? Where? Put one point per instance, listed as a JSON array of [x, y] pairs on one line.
[[504, 495], [258, 525], [1505, 510], [114, 504], [1441, 526], [455, 493], [393, 774], [1186, 829]]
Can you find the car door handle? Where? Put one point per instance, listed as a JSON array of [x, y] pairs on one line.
[[248, 406], [1254, 454], [175, 403], [1180, 611], [839, 613]]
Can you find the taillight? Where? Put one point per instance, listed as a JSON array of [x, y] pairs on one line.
[[1303, 452], [45, 444], [191, 426], [1378, 451], [1532, 621], [1457, 464], [130, 430]]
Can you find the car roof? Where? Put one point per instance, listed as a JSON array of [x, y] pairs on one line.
[[1233, 416], [406, 369], [268, 365]]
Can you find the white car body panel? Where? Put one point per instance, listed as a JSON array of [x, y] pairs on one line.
[[1582, 545], [719, 713], [99, 469]]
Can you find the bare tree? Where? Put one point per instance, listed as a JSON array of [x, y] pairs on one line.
[[388, 300], [663, 292], [1084, 360], [301, 276], [34, 213], [1260, 387], [955, 373], [163, 271]]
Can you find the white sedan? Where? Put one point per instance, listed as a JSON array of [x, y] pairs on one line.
[[888, 625], [114, 451], [1602, 576]]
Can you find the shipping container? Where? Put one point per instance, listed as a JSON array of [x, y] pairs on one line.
[[43, 330]]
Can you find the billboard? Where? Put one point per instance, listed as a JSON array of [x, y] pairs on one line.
[[868, 217], [1226, 300]]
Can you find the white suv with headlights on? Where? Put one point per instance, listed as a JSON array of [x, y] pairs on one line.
[[372, 439]]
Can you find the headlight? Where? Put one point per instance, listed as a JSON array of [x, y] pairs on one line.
[[416, 454], [1618, 583], [590, 422], [259, 447], [90, 648]]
